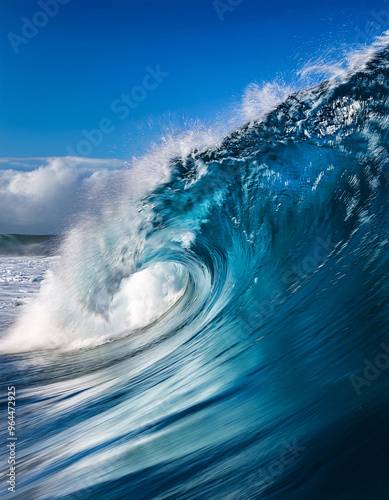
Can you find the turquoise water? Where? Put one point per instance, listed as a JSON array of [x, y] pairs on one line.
[[218, 328]]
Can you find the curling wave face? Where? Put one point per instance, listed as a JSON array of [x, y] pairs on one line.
[[243, 282]]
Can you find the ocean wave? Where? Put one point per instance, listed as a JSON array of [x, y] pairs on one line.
[[23, 244], [221, 297]]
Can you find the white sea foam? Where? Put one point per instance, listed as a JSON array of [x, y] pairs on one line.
[[101, 290], [259, 100]]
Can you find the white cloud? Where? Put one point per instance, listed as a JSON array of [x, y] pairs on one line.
[[40, 198]]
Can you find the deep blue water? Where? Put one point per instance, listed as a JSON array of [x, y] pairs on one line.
[[254, 360]]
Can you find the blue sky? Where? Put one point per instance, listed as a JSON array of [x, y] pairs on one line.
[[70, 76]]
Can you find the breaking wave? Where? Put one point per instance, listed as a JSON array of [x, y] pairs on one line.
[[215, 309]]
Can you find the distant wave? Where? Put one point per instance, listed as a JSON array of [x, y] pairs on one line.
[[23, 244]]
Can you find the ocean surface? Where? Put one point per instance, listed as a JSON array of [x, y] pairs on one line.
[[216, 326]]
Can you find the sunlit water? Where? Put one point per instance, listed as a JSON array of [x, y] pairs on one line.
[[199, 334]]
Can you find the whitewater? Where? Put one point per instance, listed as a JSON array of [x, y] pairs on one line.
[[197, 333]]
